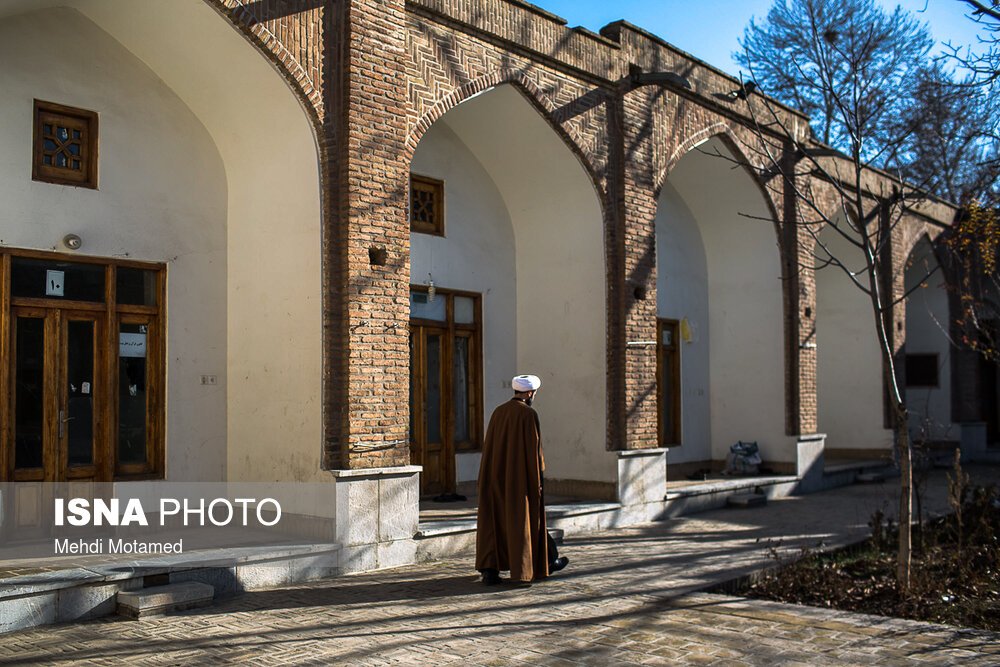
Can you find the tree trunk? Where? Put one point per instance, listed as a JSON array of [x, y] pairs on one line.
[[905, 499]]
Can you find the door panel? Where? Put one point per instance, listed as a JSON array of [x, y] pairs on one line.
[[34, 404], [81, 391], [135, 404], [430, 410], [57, 391]]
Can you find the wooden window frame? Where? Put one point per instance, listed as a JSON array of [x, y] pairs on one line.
[[87, 122], [112, 314], [674, 438], [474, 332], [435, 186]]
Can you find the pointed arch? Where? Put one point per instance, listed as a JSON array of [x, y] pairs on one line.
[[529, 90], [724, 133], [287, 65]]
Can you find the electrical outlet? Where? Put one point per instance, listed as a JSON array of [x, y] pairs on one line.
[[210, 379]]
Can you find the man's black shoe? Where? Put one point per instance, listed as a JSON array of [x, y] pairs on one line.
[[558, 564], [491, 577]]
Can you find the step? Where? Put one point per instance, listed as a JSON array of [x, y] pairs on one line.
[[159, 600], [91, 591], [869, 478], [747, 500], [856, 472], [441, 539], [714, 494]]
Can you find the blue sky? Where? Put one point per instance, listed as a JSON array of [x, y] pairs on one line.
[[709, 29]]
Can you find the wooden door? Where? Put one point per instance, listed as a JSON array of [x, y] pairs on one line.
[[57, 394], [56, 403], [668, 383], [431, 439]]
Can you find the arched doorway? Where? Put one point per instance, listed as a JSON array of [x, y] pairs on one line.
[[719, 294], [523, 241]]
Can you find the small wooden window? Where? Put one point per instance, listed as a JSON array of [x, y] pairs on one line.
[[922, 370], [426, 205], [65, 145]]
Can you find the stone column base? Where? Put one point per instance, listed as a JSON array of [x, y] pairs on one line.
[[809, 462], [642, 481], [378, 510]]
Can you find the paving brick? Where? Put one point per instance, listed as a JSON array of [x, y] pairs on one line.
[[628, 597]]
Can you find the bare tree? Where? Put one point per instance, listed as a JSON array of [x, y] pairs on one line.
[[983, 60], [846, 62], [948, 142], [821, 56]]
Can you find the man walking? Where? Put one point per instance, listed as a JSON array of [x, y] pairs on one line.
[[511, 532]]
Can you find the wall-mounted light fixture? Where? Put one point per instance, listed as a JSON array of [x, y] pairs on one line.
[[431, 290], [72, 241], [686, 333]]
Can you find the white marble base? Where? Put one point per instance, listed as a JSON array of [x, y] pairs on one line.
[[378, 511]]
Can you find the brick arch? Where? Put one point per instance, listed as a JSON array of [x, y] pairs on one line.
[[529, 90], [287, 65], [725, 133], [911, 241]]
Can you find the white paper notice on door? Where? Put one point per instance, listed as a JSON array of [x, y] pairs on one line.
[[131, 344]]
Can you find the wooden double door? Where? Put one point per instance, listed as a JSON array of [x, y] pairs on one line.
[[82, 374], [445, 385], [58, 392]]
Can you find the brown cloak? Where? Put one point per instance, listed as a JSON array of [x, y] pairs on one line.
[[511, 521]]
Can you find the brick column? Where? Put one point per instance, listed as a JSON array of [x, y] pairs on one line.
[[632, 286], [799, 296], [367, 307]]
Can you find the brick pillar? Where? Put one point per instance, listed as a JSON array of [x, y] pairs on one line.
[[799, 296], [367, 291], [632, 288]]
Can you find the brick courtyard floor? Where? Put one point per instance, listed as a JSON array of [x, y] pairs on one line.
[[628, 597]]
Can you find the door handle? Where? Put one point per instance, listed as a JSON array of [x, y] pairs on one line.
[[62, 422]]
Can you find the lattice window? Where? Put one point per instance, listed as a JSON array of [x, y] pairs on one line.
[[426, 205], [65, 145]]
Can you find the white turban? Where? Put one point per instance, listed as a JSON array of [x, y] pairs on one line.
[[525, 382]]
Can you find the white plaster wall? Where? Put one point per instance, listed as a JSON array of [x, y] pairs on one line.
[[244, 288], [927, 321], [162, 197], [476, 254], [849, 364], [274, 331], [682, 291], [746, 331], [560, 323]]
